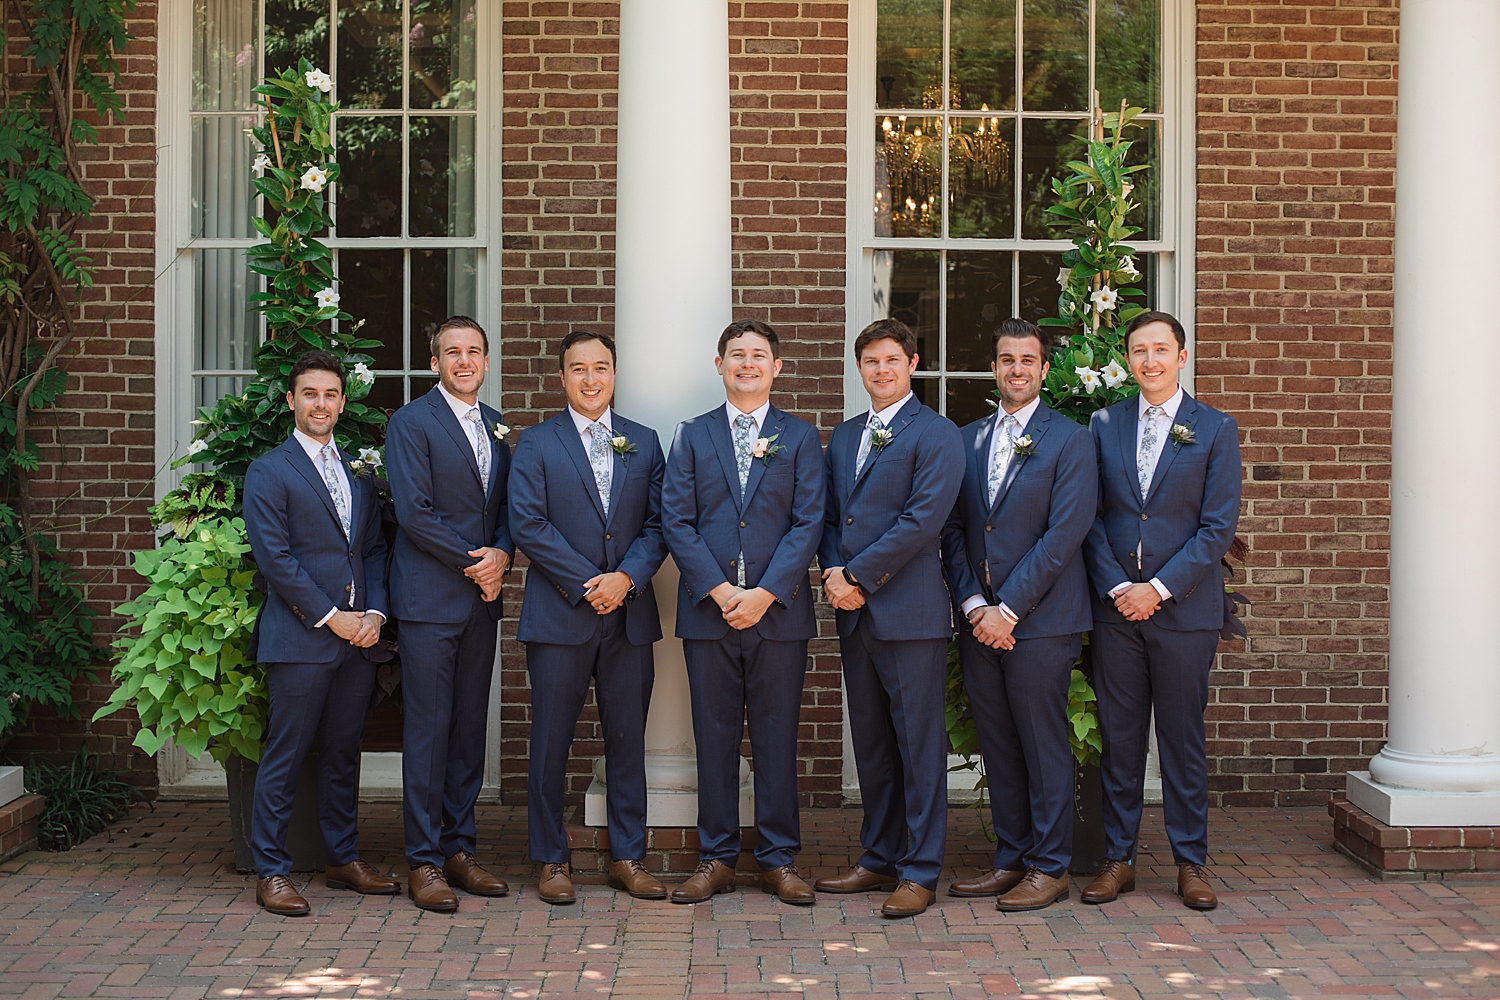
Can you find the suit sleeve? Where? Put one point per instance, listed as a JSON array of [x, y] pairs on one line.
[[679, 520], [1218, 520], [794, 553], [935, 481], [408, 458], [532, 529], [1104, 569], [376, 558], [649, 550], [266, 516], [1072, 512], [962, 581], [828, 548], [502, 539]]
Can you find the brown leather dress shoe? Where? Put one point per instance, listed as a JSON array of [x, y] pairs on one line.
[[709, 878], [991, 883], [632, 877], [556, 884], [788, 886], [1114, 878], [430, 890], [908, 900], [277, 895], [360, 876], [460, 870], [1034, 892], [1193, 887], [856, 879]]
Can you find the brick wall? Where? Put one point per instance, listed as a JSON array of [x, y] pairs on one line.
[[98, 459], [787, 81], [1296, 161]]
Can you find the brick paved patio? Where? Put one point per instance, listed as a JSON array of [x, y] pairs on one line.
[[157, 911]]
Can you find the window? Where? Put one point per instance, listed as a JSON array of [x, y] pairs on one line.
[[408, 236], [965, 112]]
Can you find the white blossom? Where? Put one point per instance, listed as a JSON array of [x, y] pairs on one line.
[[501, 431], [197, 446], [1063, 274], [758, 449], [314, 179], [1127, 267], [362, 374], [1126, 189], [1114, 375], [371, 457], [319, 80], [1104, 299], [262, 161], [1089, 378], [327, 298]]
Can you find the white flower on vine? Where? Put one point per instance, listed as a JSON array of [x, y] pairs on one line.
[[327, 298], [1063, 274], [362, 373], [371, 457], [1089, 378], [197, 446], [320, 80], [1126, 189], [262, 161], [1114, 375], [1127, 267], [314, 179], [1104, 299]]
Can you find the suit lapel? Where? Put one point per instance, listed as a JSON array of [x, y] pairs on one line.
[[355, 506], [304, 466], [493, 445], [775, 421], [718, 430], [619, 467], [907, 414], [445, 416], [1038, 426], [1185, 414], [1128, 427], [572, 443]]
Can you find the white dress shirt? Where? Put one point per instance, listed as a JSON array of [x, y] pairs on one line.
[[1163, 431], [1023, 420], [758, 415], [314, 449], [584, 423], [473, 431]]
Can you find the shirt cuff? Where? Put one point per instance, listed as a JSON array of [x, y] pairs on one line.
[[1007, 612], [324, 620], [977, 601], [1161, 588], [1115, 590], [376, 611]]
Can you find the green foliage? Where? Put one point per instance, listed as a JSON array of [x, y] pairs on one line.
[[293, 169], [1098, 299], [82, 799], [185, 669], [199, 495], [1084, 735]]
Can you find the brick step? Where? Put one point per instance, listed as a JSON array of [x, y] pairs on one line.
[[1415, 853], [18, 825]]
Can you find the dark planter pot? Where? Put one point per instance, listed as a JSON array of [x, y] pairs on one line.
[[304, 838], [1088, 821]]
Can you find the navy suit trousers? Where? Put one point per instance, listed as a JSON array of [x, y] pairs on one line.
[[1140, 666], [445, 699], [895, 694], [726, 677], [1020, 697], [622, 674], [324, 703]]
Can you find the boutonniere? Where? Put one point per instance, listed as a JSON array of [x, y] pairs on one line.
[[766, 448], [622, 445], [1023, 445], [368, 461], [881, 437], [1181, 434], [501, 431]]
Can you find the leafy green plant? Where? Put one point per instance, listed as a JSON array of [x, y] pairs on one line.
[[82, 799], [185, 669], [1085, 738]]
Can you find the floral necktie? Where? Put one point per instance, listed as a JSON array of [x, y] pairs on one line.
[[744, 443], [335, 489], [1005, 449], [600, 460], [1145, 458], [875, 425], [481, 446]]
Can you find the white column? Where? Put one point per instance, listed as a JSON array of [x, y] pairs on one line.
[[672, 297], [1441, 766]]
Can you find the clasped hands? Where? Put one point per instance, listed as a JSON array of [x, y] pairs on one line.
[[742, 608], [840, 592], [607, 591], [993, 627], [489, 570], [1137, 602], [361, 628]]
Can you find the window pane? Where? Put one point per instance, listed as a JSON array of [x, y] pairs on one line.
[[981, 178], [296, 29], [908, 53], [1146, 148], [442, 176], [387, 394], [368, 192], [222, 284], [982, 60], [908, 175], [970, 399], [209, 389], [1039, 288], [370, 284], [1127, 60], [906, 288], [929, 392], [443, 283], [979, 299], [1047, 144], [1055, 65], [221, 176], [224, 58], [421, 385], [369, 53], [443, 49]]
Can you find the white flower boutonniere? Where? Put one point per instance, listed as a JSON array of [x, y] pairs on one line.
[[880, 438], [765, 448], [501, 432], [622, 445], [1181, 434], [368, 461], [1023, 445]]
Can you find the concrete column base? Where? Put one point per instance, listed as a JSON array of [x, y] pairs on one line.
[[18, 825], [1416, 807], [1415, 853]]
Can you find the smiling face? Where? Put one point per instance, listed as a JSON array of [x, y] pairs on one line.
[[748, 368], [588, 376], [1019, 369], [1155, 359], [886, 372], [316, 402], [461, 362]]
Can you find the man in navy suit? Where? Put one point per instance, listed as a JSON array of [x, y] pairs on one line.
[[892, 477], [585, 507], [314, 527], [448, 462], [1013, 551], [1169, 502], [742, 509]]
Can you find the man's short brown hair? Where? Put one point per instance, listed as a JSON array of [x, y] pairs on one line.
[[887, 329], [458, 323], [740, 327], [316, 361], [1156, 316], [1017, 329]]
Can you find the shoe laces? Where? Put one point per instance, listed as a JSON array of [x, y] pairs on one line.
[[280, 883], [633, 866], [1197, 871], [706, 867], [429, 874], [465, 857], [787, 869], [1111, 867], [554, 870]]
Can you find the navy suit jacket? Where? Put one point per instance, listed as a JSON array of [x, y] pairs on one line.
[[557, 520], [1184, 526], [442, 511], [307, 562], [1026, 549], [776, 525], [884, 526]]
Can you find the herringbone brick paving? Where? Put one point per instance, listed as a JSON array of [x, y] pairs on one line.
[[157, 911]]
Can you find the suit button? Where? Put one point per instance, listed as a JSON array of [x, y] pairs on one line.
[[608, 537], [849, 520], [742, 524], [989, 527], [731, 564], [1143, 517], [347, 586]]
